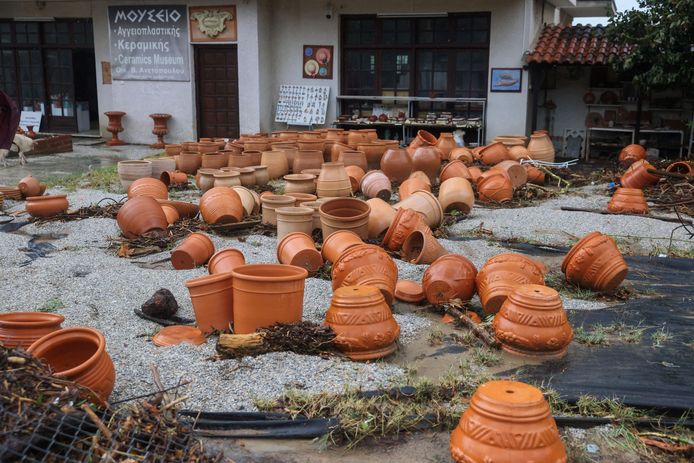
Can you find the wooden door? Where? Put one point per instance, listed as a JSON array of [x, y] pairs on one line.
[[217, 91]]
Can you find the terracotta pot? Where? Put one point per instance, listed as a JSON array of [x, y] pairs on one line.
[[302, 198], [260, 144], [221, 205], [476, 173], [272, 202], [338, 148], [630, 200], [461, 154], [494, 153], [141, 215], [311, 145], [174, 178], [293, 219], [493, 185], [213, 302], [512, 140], [246, 175], [310, 135], [501, 274], [455, 169], [251, 206], [115, 126], [540, 147], [337, 243], [426, 203], [428, 160], [533, 322], [423, 138], [307, 160], [366, 264], [207, 146], [239, 160], [409, 291], [631, 153], [345, 214], [380, 218], [535, 175], [374, 152], [353, 158], [419, 175], [314, 172], [160, 165], [193, 251], [204, 179], [445, 144], [299, 183], [333, 181], [225, 260], [334, 134], [79, 355], [514, 171], [371, 134], [299, 249], [402, 225], [375, 184], [316, 213], [148, 187], [356, 137], [289, 153], [411, 185], [255, 157], [507, 422], [128, 172], [449, 277], [396, 164], [363, 323], [276, 162], [518, 153], [263, 285], [172, 150], [456, 194], [355, 174], [262, 177], [227, 179], [595, 263], [680, 167], [171, 213], [22, 329], [637, 176], [184, 209], [188, 162], [46, 206], [422, 248]]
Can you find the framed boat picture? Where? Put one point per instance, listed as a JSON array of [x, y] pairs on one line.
[[506, 80], [318, 62]]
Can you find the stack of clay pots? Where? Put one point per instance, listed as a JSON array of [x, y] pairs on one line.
[[501, 274]]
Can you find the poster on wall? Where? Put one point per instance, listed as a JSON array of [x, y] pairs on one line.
[[149, 42], [213, 23], [506, 79], [302, 104], [318, 62]]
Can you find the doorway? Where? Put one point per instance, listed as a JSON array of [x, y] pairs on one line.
[[217, 83]]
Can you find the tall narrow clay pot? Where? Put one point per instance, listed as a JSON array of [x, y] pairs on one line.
[[595, 263], [141, 215], [299, 249], [541, 147], [422, 248], [46, 206], [221, 205], [345, 214], [22, 329], [212, 297], [195, 250], [396, 164], [293, 219], [225, 260], [366, 264], [337, 243], [271, 203], [456, 194], [375, 184], [630, 200], [451, 276]]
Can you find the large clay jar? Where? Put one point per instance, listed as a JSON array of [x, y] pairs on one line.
[[293, 219], [338, 148], [148, 187], [373, 152], [449, 277], [446, 143], [188, 162], [22, 329], [276, 162], [221, 205], [501, 274], [226, 179], [240, 160], [193, 251], [213, 302], [289, 153], [299, 183], [355, 173], [495, 186], [630, 200], [225, 260], [215, 160], [396, 164], [345, 214], [333, 181], [366, 264], [353, 158], [363, 323], [541, 147], [141, 215], [507, 422], [428, 160], [264, 286], [422, 248], [46, 206], [461, 154], [79, 355], [532, 321], [307, 160], [375, 184], [128, 172], [251, 204], [680, 167], [637, 176], [271, 203], [426, 203], [494, 153], [299, 249], [160, 165], [380, 218], [204, 179], [262, 177], [456, 194], [311, 145], [455, 169], [337, 243], [631, 154], [403, 223], [423, 138], [514, 171], [595, 263]]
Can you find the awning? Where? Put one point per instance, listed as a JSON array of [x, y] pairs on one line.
[[579, 44]]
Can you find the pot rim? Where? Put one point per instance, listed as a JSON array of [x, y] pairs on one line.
[[86, 332], [135, 162], [204, 280], [361, 214], [294, 210], [290, 272], [226, 174], [293, 236], [299, 177], [45, 197], [275, 199], [41, 319]]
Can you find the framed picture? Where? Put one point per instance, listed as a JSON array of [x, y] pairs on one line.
[[506, 80], [318, 62]]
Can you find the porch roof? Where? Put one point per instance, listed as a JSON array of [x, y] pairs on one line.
[[577, 44]]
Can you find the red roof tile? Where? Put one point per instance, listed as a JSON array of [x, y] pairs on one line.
[[567, 44]]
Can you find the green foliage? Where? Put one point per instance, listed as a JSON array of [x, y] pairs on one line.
[[52, 305], [104, 178]]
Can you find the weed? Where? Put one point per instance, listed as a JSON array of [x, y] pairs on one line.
[[436, 337], [466, 338], [104, 178], [623, 438], [594, 337], [484, 356], [52, 305], [660, 337], [605, 334]]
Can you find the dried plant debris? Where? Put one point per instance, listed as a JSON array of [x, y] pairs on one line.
[[107, 208]]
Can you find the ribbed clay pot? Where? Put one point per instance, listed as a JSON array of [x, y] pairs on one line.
[[338, 148], [533, 322], [311, 145], [276, 162], [423, 138], [422, 248], [227, 179], [79, 355], [403, 223], [141, 215], [535, 175], [637, 176], [541, 147], [46, 206], [221, 205], [173, 150], [299, 249], [188, 162], [213, 302], [225, 260], [353, 158], [337, 243], [345, 214], [312, 159], [148, 187], [355, 174], [315, 205], [22, 329], [631, 153], [494, 153], [428, 160], [375, 184], [271, 203], [174, 178], [366, 264], [293, 219], [680, 167], [160, 165], [507, 422], [449, 277], [204, 179], [595, 263], [363, 323], [128, 172], [501, 274], [333, 181], [396, 164], [239, 160], [380, 217], [455, 169], [299, 183], [446, 143], [495, 186], [630, 200], [373, 152], [251, 206], [193, 251], [461, 154], [426, 203], [257, 290], [514, 171]]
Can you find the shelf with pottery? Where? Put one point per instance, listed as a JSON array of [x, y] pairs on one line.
[[631, 131]]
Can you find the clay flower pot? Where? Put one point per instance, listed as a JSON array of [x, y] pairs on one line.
[[494, 153], [428, 160], [631, 154], [212, 297], [315, 205], [423, 138], [533, 322], [221, 205], [337, 243], [311, 145], [507, 422], [630, 200], [115, 126], [171, 213], [366, 264], [271, 203], [312, 159], [338, 148], [353, 158], [637, 176], [355, 174], [445, 144], [263, 285], [227, 179], [680, 167], [403, 223], [455, 169], [246, 175], [79, 355], [225, 260], [299, 183], [276, 162], [451, 276], [461, 154], [396, 164], [204, 179], [355, 137], [188, 162], [495, 186], [248, 200], [262, 177], [193, 251], [174, 178], [148, 187], [240, 160], [512, 140], [514, 171], [184, 209], [535, 175], [160, 165], [129, 171], [595, 263], [46, 206], [333, 181], [373, 152], [476, 173], [409, 291], [293, 219], [375, 184], [141, 215], [456, 194], [345, 214], [503, 273], [173, 150], [302, 198], [380, 218], [289, 152], [411, 185], [22, 329], [299, 249], [422, 248], [363, 323], [541, 147], [426, 203], [518, 153]]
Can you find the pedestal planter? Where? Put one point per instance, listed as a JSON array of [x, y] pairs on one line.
[[148, 187], [212, 297], [276, 162], [428, 160], [225, 260], [449, 277], [300, 183], [396, 164], [272, 202], [345, 214], [421, 248], [188, 162], [363, 323], [193, 251], [455, 169], [355, 174], [501, 274], [353, 158], [226, 179], [46, 206], [22, 329], [456, 194], [445, 144], [141, 215], [366, 264], [631, 154], [629, 200], [293, 219], [375, 184], [221, 205], [129, 171], [494, 153], [307, 159], [426, 203], [299, 249], [514, 171], [160, 165], [540, 147], [160, 129], [595, 263], [380, 217], [337, 243], [637, 176], [333, 181], [115, 126], [404, 222], [495, 186]]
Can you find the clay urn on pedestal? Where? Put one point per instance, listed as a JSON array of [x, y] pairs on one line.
[[637, 175], [375, 184], [160, 129], [494, 153], [461, 154], [501, 274], [422, 248], [514, 171], [595, 263], [353, 158], [299, 249], [188, 162], [411, 185], [141, 215], [629, 200], [337, 243], [129, 171], [148, 187], [426, 203], [380, 217], [345, 214], [445, 144], [115, 126], [271, 203], [396, 164], [333, 181], [456, 194], [225, 260], [403, 223], [366, 264], [355, 174], [495, 186], [312, 159], [22, 329], [293, 219], [451, 276], [541, 147], [46, 206], [299, 183], [455, 169], [631, 153], [193, 251], [507, 422], [221, 205], [276, 162], [428, 160], [423, 138], [363, 323], [212, 297]]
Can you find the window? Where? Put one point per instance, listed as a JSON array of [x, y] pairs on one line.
[[360, 78], [395, 72]]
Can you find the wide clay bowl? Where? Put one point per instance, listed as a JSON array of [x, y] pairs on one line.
[[299, 249], [22, 329], [46, 206], [195, 250], [595, 263], [225, 260], [338, 242], [366, 264], [449, 277], [363, 322], [631, 153], [141, 215], [507, 422], [629, 200]]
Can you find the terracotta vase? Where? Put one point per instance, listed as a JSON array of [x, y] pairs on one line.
[[302, 198], [631, 154], [299, 183], [160, 165], [461, 154], [423, 138], [494, 186], [428, 160], [402, 225], [338, 148], [355, 137], [263, 285], [174, 178], [533, 322], [630, 200], [293, 219], [456, 194], [396, 164], [271, 203], [226, 179], [213, 302], [501, 274], [79, 355], [445, 144], [337, 243], [535, 175], [680, 167], [366, 264], [518, 153], [514, 171], [307, 160], [333, 181], [22, 329], [173, 150], [426, 203], [380, 217], [476, 173], [160, 129], [363, 323], [276, 162], [299, 249], [171, 213], [409, 291], [595, 262], [422, 248], [115, 126], [507, 422], [637, 176], [188, 162], [148, 187], [353, 158], [221, 205], [193, 251], [225, 260], [251, 204], [494, 153], [262, 177], [411, 185], [451, 276], [345, 214], [239, 160], [375, 184], [374, 152], [46, 206], [355, 174], [129, 171], [455, 169], [541, 148], [141, 215]]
